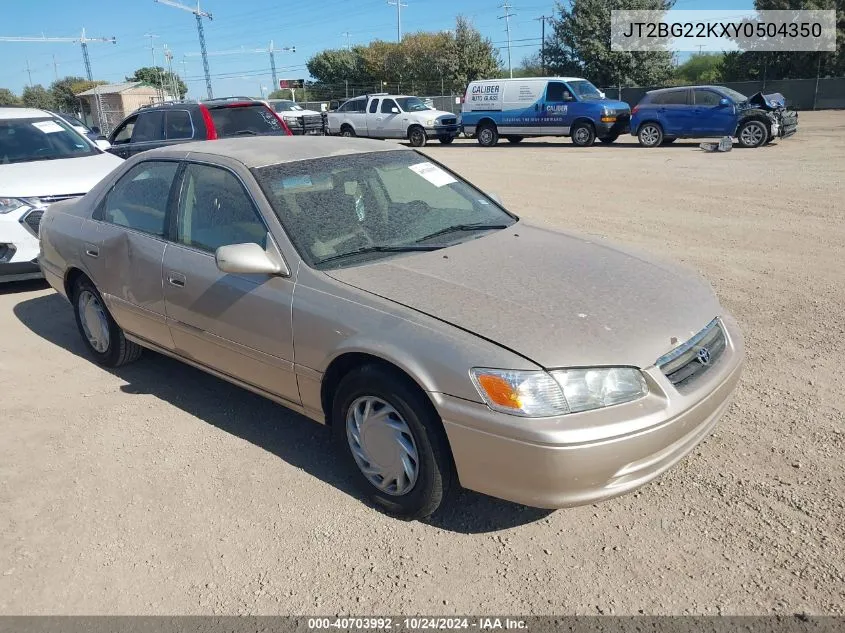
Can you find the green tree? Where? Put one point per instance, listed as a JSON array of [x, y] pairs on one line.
[[64, 92], [8, 98], [37, 97], [337, 66], [160, 78], [475, 56], [701, 69], [580, 45]]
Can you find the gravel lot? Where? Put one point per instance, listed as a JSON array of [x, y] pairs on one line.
[[159, 489]]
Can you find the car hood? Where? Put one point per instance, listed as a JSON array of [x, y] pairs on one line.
[[774, 101], [555, 298], [615, 105], [55, 177]]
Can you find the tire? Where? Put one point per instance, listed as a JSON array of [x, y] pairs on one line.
[[752, 133], [446, 140], [417, 137], [104, 339], [650, 134], [583, 134], [514, 139], [423, 433], [607, 140], [347, 131], [487, 135]]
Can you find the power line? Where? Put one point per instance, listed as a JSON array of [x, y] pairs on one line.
[[507, 18]]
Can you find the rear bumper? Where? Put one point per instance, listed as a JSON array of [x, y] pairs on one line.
[[587, 457], [20, 271]]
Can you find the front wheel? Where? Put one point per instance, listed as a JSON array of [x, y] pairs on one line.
[[446, 139], [752, 134], [394, 441], [650, 135], [347, 131], [488, 135], [100, 333], [417, 137], [583, 134]]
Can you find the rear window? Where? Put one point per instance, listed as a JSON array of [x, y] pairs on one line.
[[255, 119]]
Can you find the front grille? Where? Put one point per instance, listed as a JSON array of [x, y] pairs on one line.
[[448, 121], [32, 220], [694, 358], [51, 199]]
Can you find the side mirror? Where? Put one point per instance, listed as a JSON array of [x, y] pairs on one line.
[[394, 110], [247, 258], [724, 101], [103, 144]]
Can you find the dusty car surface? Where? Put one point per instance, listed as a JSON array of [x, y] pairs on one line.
[[444, 340]]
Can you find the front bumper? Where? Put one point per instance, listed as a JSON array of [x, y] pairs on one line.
[[19, 246], [622, 125], [588, 457], [439, 131], [787, 124]]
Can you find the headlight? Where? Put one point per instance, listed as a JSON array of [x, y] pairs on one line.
[[7, 205], [536, 394], [431, 123]]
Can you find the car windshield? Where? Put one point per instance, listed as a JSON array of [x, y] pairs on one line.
[[342, 211], [584, 89], [412, 104], [73, 120], [43, 138], [733, 95], [287, 106], [255, 119]]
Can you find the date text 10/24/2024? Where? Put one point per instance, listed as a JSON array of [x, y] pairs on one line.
[[416, 623]]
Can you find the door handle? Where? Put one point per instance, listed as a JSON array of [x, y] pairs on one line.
[[176, 279], [92, 251]]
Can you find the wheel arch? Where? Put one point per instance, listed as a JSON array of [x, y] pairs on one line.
[[72, 275], [654, 120], [486, 121]]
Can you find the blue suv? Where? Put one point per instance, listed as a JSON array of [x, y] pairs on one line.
[[711, 111]]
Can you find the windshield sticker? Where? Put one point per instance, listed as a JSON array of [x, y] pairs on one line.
[[433, 174], [297, 182], [48, 127]]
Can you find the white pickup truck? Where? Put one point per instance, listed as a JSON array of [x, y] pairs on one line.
[[393, 116]]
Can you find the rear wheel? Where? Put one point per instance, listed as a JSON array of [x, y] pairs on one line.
[[607, 140], [650, 135], [417, 137], [100, 333], [752, 133], [347, 131], [583, 134], [394, 441], [487, 135], [514, 139]]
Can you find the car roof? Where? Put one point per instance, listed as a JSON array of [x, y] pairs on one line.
[[260, 151], [479, 81], [7, 112], [659, 90]]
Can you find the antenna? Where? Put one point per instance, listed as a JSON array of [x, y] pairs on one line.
[[399, 5], [507, 18], [199, 15]]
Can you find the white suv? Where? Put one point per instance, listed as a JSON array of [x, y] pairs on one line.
[[43, 159], [393, 116]]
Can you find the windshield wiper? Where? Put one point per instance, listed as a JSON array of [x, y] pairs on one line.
[[463, 227], [244, 132], [379, 249]]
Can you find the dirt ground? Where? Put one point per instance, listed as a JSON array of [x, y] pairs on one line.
[[157, 489]]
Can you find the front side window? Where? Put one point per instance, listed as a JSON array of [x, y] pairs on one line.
[[214, 210], [387, 106], [706, 98], [123, 134], [557, 92], [149, 127], [139, 199], [345, 210], [42, 138]]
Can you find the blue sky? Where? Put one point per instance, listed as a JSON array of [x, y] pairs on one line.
[[310, 26]]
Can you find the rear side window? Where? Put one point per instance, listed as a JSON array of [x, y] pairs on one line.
[[139, 199], [148, 127], [374, 106], [178, 125], [674, 97], [244, 120]]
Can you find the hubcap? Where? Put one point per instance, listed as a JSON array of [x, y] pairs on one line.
[[582, 135], [95, 324], [752, 134], [486, 136], [649, 134], [382, 445]]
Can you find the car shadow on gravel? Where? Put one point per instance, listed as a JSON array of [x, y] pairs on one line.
[[15, 287], [288, 435]]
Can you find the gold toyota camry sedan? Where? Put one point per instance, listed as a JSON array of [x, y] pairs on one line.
[[445, 341]]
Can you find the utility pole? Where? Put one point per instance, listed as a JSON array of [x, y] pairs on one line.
[[399, 5], [29, 72], [347, 34], [199, 15], [507, 18], [55, 67], [171, 80], [83, 41], [154, 66], [543, 19]]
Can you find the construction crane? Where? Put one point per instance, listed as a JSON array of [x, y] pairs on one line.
[[83, 40], [271, 49], [199, 15]]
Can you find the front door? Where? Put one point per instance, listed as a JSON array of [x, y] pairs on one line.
[[391, 123], [237, 324], [711, 118], [560, 109], [125, 258]]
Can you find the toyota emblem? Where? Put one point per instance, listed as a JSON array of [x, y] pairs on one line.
[[703, 356]]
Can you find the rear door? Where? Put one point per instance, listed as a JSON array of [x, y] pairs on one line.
[[237, 324], [710, 118], [126, 256], [178, 127], [674, 112]]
